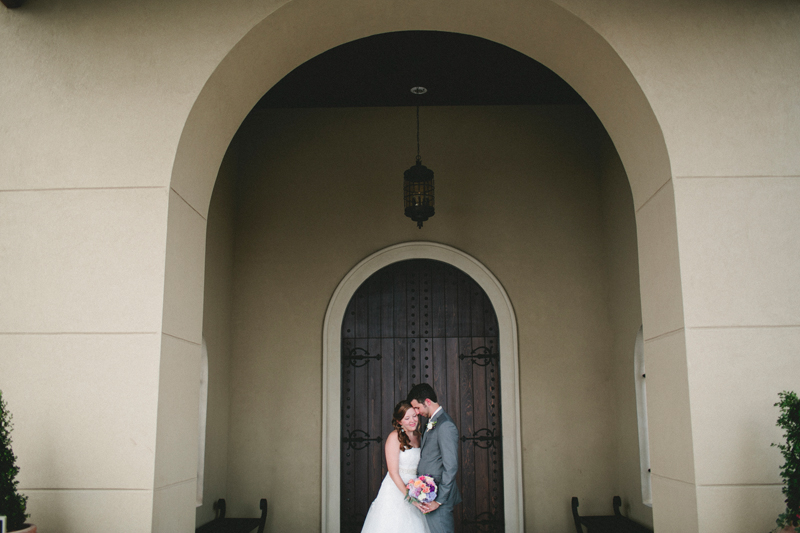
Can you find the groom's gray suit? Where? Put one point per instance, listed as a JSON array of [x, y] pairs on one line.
[[439, 459]]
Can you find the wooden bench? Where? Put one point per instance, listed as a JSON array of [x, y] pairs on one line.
[[615, 523], [221, 524]]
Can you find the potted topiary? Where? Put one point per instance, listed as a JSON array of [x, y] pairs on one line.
[[12, 504], [789, 421]]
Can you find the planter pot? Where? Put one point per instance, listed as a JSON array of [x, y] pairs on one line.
[[788, 529], [28, 528]]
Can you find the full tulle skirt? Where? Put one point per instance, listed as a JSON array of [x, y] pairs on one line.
[[391, 513]]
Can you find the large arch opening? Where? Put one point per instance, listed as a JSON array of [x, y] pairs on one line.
[[220, 110], [540, 229]]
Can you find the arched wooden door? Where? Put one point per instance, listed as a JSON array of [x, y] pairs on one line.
[[421, 321]]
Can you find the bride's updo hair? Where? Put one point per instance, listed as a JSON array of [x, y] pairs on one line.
[[399, 412]]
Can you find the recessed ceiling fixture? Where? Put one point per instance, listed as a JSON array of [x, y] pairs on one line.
[[419, 90], [418, 189]]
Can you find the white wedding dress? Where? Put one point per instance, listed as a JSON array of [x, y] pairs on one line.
[[390, 512]]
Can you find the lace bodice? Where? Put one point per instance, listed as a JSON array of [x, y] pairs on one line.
[[409, 459]]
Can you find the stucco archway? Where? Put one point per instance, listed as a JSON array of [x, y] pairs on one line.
[[303, 29], [545, 31]]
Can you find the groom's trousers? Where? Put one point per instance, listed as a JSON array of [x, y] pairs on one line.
[[441, 520]]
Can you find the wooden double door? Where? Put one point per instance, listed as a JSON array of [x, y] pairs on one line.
[[421, 321]]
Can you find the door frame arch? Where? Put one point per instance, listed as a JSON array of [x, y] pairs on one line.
[[509, 372]]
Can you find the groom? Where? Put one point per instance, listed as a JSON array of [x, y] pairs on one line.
[[438, 457]]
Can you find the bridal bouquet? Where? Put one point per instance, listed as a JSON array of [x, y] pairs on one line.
[[421, 489]]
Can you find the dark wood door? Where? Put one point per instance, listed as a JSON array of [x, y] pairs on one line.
[[421, 321]]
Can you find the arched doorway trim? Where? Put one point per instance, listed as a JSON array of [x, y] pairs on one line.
[[509, 371]]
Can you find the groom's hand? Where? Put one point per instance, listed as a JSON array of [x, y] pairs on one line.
[[430, 507]]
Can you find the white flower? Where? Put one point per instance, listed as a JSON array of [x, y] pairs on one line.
[[431, 424]]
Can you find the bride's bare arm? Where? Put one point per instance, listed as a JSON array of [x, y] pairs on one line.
[[392, 451]]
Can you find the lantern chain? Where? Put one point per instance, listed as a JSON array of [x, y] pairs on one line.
[[419, 159]]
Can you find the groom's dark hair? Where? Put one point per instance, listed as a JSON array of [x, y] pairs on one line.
[[422, 392]]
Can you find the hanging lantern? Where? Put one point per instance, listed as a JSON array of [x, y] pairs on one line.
[[418, 189]]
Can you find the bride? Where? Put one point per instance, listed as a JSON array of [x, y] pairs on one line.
[[390, 513]]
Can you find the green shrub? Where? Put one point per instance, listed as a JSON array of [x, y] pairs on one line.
[[12, 504], [789, 421]]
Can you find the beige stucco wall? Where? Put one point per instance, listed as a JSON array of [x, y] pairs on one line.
[[115, 118], [520, 190]]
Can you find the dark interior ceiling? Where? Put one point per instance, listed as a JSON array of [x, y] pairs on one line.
[[456, 69]]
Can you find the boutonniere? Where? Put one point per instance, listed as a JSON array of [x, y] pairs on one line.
[[431, 425]]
